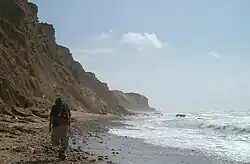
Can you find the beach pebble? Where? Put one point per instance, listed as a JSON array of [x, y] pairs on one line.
[[84, 157], [79, 148], [92, 160], [14, 117], [31, 149], [100, 158], [88, 153], [17, 149], [90, 134]]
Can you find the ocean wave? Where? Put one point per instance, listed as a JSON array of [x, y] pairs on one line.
[[223, 123], [225, 128], [222, 134]]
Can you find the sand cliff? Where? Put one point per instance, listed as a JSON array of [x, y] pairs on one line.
[[34, 69], [133, 101]]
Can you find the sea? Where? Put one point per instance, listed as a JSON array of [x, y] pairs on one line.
[[221, 134]]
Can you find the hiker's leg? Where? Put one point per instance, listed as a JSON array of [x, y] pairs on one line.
[[64, 137], [55, 136], [64, 141]]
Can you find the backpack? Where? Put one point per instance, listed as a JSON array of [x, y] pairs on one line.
[[63, 115]]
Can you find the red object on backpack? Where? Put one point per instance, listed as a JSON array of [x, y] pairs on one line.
[[63, 116], [62, 121]]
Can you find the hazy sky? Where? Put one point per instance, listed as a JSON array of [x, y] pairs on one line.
[[184, 55]]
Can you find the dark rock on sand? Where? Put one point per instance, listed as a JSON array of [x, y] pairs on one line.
[[100, 158], [180, 115], [90, 134], [92, 160], [84, 157]]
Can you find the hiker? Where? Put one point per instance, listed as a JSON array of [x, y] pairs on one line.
[[60, 126]]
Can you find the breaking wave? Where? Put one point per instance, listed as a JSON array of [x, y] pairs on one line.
[[224, 134]]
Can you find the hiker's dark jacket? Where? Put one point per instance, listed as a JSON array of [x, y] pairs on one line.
[[60, 114]]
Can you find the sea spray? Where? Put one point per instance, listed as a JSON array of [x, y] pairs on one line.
[[218, 134]]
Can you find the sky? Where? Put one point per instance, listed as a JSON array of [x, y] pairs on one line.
[[184, 55]]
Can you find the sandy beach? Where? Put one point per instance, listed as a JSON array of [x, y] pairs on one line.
[[90, 142], [28, 141], [109, 62]]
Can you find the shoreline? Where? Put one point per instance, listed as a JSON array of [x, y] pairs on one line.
[[179, 145], [121, 149], [91, 142]]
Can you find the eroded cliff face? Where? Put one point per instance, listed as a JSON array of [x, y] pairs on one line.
[[132, 101], [34, 70]]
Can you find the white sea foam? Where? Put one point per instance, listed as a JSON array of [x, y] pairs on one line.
[[220, 134]]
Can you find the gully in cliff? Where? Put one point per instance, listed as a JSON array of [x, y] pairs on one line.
[[60, 126]]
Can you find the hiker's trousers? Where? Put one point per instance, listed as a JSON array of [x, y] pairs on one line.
[[60, 136]]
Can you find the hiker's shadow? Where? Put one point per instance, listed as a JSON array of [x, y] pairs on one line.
[[51, 161]]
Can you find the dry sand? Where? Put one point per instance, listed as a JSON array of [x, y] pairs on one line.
[[27, 140]]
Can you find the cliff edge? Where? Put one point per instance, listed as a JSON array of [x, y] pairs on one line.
[[34, 69], [132, 101]]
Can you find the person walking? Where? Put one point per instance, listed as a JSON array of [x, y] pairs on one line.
[[60, 125]]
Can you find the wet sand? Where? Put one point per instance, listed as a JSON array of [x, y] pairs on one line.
[[125, 150]]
